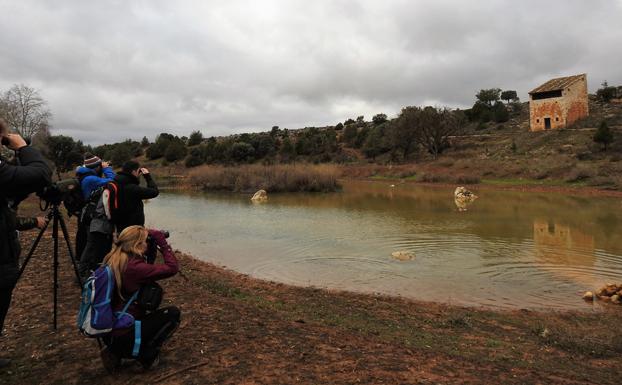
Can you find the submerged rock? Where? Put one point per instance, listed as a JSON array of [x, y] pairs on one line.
[[260, 196], [403, 255]]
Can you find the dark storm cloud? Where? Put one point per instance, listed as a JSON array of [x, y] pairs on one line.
[[113, 70]]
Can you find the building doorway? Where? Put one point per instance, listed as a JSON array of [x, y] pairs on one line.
[[547, 123]]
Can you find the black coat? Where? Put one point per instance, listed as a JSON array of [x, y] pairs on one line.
[[131, 208], [16, 182]]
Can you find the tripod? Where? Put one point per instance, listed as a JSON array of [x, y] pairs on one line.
[[55, 216]]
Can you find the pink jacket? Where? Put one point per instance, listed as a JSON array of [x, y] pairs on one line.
[[138, 272]]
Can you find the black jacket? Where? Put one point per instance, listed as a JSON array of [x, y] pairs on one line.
[[131, 208], [16, 182]]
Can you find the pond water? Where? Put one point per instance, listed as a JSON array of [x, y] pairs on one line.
[[507, 250]]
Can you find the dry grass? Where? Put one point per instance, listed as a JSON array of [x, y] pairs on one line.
[[274, 178]]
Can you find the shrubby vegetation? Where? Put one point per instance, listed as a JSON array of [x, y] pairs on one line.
[[276, 178]]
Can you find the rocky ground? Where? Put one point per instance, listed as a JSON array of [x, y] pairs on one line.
[[239, 330]]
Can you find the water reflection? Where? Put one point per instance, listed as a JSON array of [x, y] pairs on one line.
[[565, 251], [510, 249]]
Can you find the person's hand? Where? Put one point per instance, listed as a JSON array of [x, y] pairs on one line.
[[158, 237], [41, 222], [144, 171], [15, 141], [105, 164]]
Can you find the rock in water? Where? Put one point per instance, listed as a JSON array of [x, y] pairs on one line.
[[588, 296], [463, 198], [403, 255], [260, 196]]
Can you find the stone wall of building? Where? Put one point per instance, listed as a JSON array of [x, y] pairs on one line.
[[562, 111]]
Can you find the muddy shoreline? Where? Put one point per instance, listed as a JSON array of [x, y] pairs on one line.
[[240, 330]]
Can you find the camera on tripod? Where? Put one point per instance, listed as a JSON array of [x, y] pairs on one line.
[[59, 191]]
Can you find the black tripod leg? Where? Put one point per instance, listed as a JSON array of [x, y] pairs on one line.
[[33, 247], [55, 237], [71, 255]]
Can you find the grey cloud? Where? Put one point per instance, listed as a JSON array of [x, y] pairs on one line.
[[113, 70]]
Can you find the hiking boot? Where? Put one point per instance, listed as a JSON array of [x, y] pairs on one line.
[[4, 362], [110, 360], [151, 364]]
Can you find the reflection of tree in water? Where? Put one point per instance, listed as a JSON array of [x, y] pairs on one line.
[[564, 250]]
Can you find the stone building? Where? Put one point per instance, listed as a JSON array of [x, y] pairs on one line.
[[558, 103]]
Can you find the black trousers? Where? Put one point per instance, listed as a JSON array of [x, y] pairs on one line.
[[81, 236], [156, 328], [5, 302], [97, 246]]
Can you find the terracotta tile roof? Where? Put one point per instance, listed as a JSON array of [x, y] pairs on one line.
[[557, 84]]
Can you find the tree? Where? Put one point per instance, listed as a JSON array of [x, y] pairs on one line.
[[429, 127], [509, 96], [242, 152], [63, 152], [349, 134], [501, 113], [196, 137], [373, 145], [603, 135], [176, 150], [489, 96], [606, 93], [378, 119], [287, 151], [195, 158], [144, 142], [25, 110], [403, 132], [120, 154]]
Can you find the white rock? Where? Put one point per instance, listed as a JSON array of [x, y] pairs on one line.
[[260, 196], [403, 255]]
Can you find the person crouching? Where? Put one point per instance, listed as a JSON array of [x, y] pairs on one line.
[[128, 262]]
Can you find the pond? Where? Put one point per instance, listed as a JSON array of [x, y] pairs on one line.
[[508, 249]]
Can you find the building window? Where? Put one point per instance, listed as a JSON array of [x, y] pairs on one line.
[[557, 119], [537, 120]]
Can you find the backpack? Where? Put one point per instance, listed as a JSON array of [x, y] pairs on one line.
[[96, 317], [73, 199], [90, 205], [113, 200]]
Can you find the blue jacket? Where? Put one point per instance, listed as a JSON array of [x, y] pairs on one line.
[[91, 181]]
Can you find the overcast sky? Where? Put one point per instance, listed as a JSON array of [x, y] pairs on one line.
[[111, 70]]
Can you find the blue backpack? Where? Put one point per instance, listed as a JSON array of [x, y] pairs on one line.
[[96, 317]]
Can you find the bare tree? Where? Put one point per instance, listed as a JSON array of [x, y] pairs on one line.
[[25, 110]]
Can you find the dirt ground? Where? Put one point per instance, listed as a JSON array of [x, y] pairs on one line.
[[239, 330]]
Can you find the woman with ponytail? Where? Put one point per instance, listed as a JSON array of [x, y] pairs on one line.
[[128, 261]]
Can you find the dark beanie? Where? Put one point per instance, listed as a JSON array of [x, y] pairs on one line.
[[91, 161]]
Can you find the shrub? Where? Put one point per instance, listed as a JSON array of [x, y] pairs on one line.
[[603, 135], [275, 178]]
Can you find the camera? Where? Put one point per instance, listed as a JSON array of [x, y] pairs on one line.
[[151, 246], [57, 192], [164, 232]]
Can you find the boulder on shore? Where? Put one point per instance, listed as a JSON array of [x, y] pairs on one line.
[[260, 196], [608, 293]]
